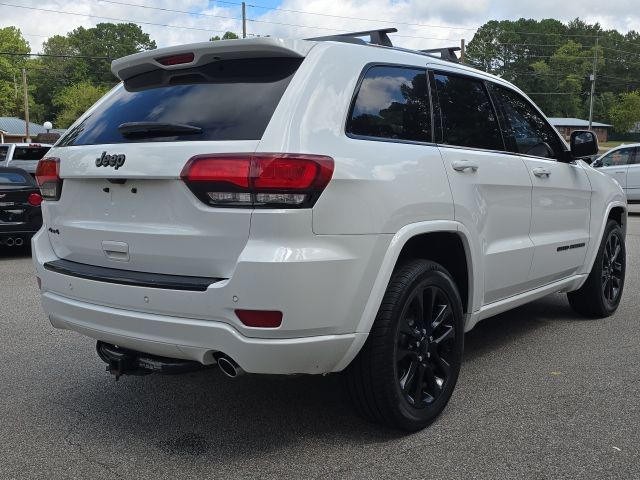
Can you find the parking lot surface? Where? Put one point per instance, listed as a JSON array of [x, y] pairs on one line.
[[543, 393]]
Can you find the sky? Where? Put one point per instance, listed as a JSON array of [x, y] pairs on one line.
[[421, 23]]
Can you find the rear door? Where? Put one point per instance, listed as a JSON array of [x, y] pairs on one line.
[[124, 204], [561, 196], [491, 187], [632, 184]]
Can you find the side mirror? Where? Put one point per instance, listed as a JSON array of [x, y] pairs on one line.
[[583, 143]]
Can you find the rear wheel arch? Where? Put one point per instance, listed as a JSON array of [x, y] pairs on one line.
[[450, 250]]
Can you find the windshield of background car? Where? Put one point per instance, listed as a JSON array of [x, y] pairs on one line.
[[227, 99]]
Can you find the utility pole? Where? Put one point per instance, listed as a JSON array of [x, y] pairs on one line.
[[593, 82], [462, 50], [244, 20], [26, 105], [16, 105]]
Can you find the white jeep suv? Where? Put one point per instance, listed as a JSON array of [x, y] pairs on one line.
[[316, 206]]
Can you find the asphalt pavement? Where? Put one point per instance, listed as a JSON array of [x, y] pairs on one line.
[[543, 393]]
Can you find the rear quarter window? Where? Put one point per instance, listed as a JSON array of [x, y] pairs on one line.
[[228, 100], [13, 178], [3, 153], [392, 103]]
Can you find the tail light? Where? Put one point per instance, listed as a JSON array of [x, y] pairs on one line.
[[35, 199], [48, 178], [263, 180]]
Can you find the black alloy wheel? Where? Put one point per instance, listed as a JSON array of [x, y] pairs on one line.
[[425, 346], [407, 369], [601, 293], [612, 273]]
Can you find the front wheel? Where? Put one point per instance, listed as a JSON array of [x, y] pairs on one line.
[[600, 295], [406, 372]]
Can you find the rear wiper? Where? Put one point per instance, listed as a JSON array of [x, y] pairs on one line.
[[156, 129]]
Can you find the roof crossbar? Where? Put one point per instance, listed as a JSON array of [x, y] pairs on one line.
[[446, 53], [376, 37]]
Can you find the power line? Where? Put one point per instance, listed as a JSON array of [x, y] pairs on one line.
[[110, 18], [53, 55]]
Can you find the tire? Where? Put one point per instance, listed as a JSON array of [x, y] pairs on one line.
[[407, 369], [600, 295]]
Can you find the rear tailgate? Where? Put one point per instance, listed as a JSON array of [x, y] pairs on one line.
[[150, 223], [123, 204]]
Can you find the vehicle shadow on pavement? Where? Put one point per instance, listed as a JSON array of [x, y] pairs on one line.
[[493, 333], [209, 416]]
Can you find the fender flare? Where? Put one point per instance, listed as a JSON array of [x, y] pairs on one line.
[[389, 261], [590, 260]]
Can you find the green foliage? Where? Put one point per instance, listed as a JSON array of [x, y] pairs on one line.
[[74, 100], [52, 74], [626, 113], [11, 91], [553, 61], [226, 36]]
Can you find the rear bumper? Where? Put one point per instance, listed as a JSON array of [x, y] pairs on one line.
[[321, 287], [198, 340]]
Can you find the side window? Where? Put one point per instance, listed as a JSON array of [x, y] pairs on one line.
[[3, 153], [525, 127], [468, 119], [622, 156], [393, 102]]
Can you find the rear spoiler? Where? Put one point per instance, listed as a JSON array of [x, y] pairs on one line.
[[192, 55]]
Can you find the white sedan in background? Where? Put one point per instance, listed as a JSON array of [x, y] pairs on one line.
[[623, 164]]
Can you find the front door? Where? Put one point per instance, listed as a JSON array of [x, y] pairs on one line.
[[616, 164], [561, 196]]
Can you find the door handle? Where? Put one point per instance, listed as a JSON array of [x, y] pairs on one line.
[[541, 172], [464, 165], [620, 171]]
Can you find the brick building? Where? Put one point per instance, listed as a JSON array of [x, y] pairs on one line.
[[567, 125]]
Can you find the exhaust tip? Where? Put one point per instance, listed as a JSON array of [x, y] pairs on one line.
[[9, 242], [230, 368], [18, 242]]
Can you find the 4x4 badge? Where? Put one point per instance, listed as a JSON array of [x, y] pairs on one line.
[[110, 160]]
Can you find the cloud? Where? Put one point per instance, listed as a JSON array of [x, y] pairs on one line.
[[442, 22], [378, 93]]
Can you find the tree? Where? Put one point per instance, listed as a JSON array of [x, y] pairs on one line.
[[626, 113], [106, 40], [11, 92], [226, 36], [74, 100]]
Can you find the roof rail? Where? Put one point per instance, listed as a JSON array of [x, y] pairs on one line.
[[446, 53], [376, 37]]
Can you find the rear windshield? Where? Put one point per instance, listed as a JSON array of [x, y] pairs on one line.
[[227, 99], [29, 153], [13, 178]]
